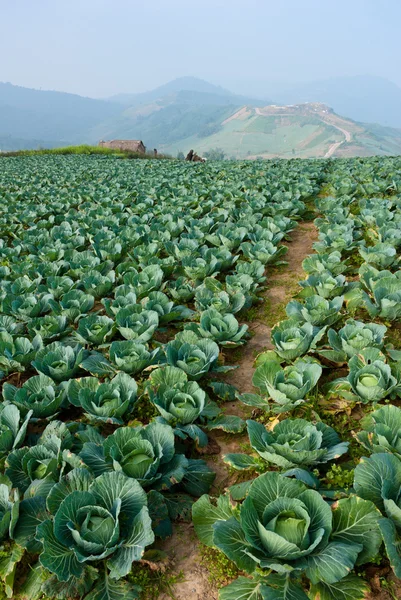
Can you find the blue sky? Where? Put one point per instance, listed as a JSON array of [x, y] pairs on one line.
[[100, 47]]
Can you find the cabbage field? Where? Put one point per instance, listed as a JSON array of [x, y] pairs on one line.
[[132, 293]]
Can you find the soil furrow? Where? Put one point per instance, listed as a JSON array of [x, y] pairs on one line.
[[282, 284]]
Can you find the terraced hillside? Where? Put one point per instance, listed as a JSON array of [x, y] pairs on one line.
[[302, 131]]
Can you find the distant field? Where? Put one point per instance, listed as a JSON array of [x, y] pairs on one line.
[[307, 131], [265, 137]]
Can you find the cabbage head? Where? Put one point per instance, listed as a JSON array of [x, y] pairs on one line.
[[177, 399], [287, 386], [370, 378], [17, 353], [57, 286], [28, 306], [212, 295], [316, 310], [284, 527], [59, 362], [106, 520], [96, 284], [351, 339], [385, 300], [254, 269], [193, 355], [148, 455], [381, 292], [263, 251], [73, 305], [38, 394], [197, 268], [49, 327], [324, 284], [382, 255], [44, 462], [293, 339], [149, 279], [221, 328], [106, 402], [132, 357], [331, 262], [121, 300], [180, 403], [136, 323], [181, 289], [382, 430], [165, 308], [292, 443], [95, 330]]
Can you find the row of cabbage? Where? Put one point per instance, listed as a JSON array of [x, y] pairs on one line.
[[121, 283], [295, 536]]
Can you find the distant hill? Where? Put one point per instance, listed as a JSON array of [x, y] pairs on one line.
[[193, 84], [54, 117], [189, 112], [298, 131], [362, 98]]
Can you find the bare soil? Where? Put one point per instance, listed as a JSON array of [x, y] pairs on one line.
[[378, 592], [183, 546], [240, 114], [281, 285]]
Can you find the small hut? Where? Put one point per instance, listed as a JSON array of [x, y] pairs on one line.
[[127, 145], [193, 157]]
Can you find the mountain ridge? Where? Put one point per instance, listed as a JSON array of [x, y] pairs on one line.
[[56, 117], [170, 118], [187, 82]]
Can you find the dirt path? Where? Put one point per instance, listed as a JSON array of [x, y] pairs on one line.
[[242, 112], [336, 145], [332, 149], [183, 546], [281, 285]]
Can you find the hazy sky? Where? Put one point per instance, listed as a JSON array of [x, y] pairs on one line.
[[101, 47]]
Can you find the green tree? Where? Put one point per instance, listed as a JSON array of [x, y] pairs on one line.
[[215, 154]]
